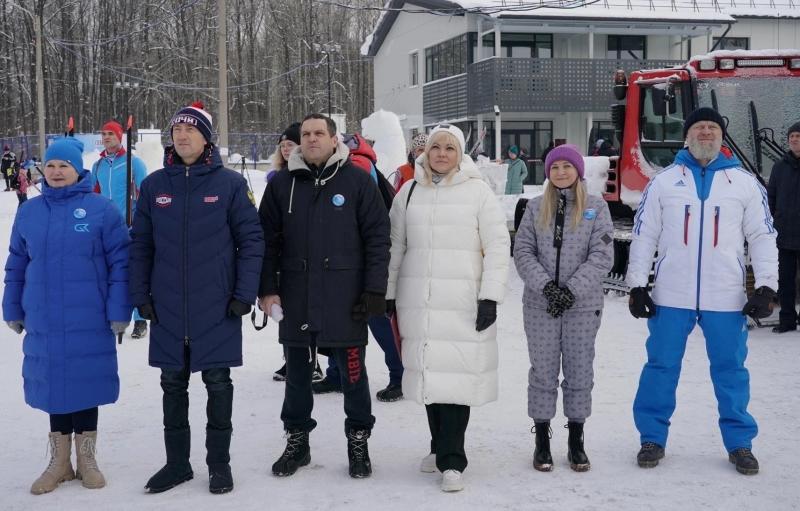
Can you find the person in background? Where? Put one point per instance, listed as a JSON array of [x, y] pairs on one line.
[[20, 184], [406, 171], [447, 274], [289, 139], [66, 286], [563, 248], [7, 164], [517, 172], [783, 192], [110, 176]]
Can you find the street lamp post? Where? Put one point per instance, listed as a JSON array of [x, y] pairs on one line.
[[328, 49]]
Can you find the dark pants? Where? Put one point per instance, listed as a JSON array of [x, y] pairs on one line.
[[298, 401], [381, 329], [787, 285], [8, 181], [219, 407], [22, 197], [78, 422], [448, 424]]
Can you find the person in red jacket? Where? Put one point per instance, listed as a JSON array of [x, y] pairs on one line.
[[405, 172]]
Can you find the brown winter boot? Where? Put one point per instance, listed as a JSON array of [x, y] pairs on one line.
[[87, 471], [60, 467]]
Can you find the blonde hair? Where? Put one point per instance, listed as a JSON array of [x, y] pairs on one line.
[[443, 137], [277, 158], [549, 203]]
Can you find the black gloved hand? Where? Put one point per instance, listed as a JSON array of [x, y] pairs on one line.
[[370, 304], [550, 291], [760, 304], [391, 307], [487, 314], [559, 299], [237, 308], [640, 304], [147, 312]]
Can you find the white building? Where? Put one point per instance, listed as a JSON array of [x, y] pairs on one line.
[[544, 69]]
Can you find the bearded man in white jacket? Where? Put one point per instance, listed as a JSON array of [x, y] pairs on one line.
[[697, 214]]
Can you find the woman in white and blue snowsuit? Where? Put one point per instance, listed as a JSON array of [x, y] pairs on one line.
[[66, 286], [562, 250]]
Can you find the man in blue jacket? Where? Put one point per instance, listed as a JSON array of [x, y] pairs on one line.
[[110, 175], [327, 234], [196, 256], [697, 215]]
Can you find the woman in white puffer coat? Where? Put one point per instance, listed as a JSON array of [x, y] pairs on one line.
[[448, 271]]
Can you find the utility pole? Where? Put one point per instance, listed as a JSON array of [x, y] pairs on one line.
[[222, 115], [37, 26]]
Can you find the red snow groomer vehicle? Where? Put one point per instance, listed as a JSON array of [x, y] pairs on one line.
[[757, 92]]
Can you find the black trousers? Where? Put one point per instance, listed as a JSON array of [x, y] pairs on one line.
[[219, 408], [77, 422], [22, 197], [298, 401], [448, 424], [787, 286]]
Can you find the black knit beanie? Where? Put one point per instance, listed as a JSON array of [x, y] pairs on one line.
[[703, 114]]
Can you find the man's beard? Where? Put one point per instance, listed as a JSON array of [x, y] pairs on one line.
[[704, 150]]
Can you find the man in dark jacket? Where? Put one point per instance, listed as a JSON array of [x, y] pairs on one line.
[[327, 234], [195, 262], [783, 192]]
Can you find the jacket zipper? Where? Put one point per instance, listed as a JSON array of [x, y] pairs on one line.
[[686, 215], [186, 269], [700, 249], [716, 225]]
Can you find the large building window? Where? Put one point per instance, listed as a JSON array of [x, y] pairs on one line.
[[448, 58], [413, 69], [538, 46], [732, 43], [627, 47]]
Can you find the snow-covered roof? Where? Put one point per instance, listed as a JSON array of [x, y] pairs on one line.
[[703, 12]]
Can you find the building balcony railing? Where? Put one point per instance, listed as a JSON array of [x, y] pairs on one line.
[[547, 85]]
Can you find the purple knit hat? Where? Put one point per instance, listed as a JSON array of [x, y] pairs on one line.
[[566, 152]]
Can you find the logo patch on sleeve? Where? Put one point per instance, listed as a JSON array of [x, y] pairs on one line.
[[210, 199], [163, 200]]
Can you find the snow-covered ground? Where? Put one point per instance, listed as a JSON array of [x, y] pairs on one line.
[[695, 475]]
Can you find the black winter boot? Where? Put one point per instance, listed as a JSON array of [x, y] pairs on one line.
[[392, 392], [358, 453], [177, 470], [578, 461], [649, 455], [297, 454], [744, 460], [325, 386], [218, 443], [139, 329], [542, 459]]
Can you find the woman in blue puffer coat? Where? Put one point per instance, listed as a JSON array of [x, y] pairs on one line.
[[66, 286]]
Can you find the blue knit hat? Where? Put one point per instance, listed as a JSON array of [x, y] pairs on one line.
[[194, 115], [68, 149]]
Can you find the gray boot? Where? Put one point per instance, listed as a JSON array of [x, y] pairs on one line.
[[88, 472], [60, 467]]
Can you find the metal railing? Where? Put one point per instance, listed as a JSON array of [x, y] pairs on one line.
[[547, 85]]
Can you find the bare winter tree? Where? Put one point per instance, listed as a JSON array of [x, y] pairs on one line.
[[108, 58]]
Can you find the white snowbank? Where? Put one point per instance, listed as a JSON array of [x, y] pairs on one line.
[[595, 173]]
